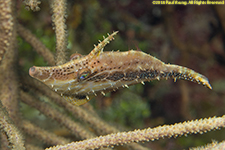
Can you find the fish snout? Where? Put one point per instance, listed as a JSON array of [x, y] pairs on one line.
[[33, 71]]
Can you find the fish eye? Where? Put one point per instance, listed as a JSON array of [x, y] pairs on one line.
[[83, 74]]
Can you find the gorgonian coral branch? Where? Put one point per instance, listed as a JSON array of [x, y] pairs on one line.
[[36, 44], [50, 112], [41, 134], [6, 26], [214, 145], [197, 126], [13, 134], [32, 4], [8, 72], [58, 18]]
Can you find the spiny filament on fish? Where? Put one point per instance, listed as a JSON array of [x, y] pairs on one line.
[[83, 77]]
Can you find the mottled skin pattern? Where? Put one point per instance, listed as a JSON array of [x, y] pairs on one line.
[[98, 72]]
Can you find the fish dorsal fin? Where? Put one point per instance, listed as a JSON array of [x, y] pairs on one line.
[[99, 48]]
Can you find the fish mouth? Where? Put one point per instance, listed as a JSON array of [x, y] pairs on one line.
[[39, 73], [34, 72]]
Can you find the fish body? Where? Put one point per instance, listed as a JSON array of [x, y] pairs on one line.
[[83, 77]]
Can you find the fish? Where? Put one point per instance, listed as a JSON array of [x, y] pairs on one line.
[[86, 76]]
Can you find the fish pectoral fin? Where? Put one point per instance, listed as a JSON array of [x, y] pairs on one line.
[[76, 101]]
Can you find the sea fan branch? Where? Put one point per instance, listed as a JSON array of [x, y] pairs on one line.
[[58, 18], [13, 134], [32, 4], [36, 44], [46, 109], [8, 74], [41, 134], [197, 126]]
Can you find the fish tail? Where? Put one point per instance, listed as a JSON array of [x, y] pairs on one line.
[[179, 72]]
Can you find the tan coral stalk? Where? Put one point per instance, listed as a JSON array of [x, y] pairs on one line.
[[8, 74], [58, 18], [12, 132], [36, 44], [197, 126], [41, 134], [46, 109], [32, 4]]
